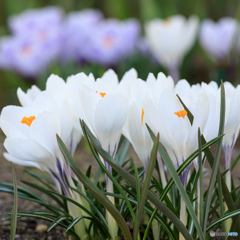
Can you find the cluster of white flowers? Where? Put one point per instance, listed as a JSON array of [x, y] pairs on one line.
[[111, 108]]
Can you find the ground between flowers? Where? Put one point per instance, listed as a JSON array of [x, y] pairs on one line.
[[29, 228]]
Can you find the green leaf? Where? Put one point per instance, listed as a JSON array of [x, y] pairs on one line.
[[132, 180], [187, 162], [151, 166], [178, 183], [47, 192], [57, 221], [216, 160], [115, 182], [34, 215], [189, 114], [14, 212], [91, 203], [223, 218], [200, 212], [235, 162], [148, 210], [95, 191]]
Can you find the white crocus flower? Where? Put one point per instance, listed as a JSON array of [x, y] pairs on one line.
[[162, 82], [27, 98], [135, 129], [31, 134], [231, 128], [105, 111], [178, 136], [31, 141], [170, 40], [67, 91]]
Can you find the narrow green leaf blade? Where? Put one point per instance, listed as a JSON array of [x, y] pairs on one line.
[[178, 183], [132, 180], [95, 191], [151, 166], [14, 214], [216, 160]]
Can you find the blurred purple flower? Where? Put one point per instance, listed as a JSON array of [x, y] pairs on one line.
[[35, 42], [76, 31], [217, 37], [23, 55], [112, 40], [36, 21]]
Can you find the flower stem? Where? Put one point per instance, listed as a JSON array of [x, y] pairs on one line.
[[183, 216], [112, 225], [173, 71]]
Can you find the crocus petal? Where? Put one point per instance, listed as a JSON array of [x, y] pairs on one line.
[[110, 116]]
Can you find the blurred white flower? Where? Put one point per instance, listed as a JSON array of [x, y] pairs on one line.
[[217, 37], [171, 39]]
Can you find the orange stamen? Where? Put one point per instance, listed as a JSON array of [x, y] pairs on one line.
[[181, 113], [28, 120], [142, 117], [108, 42], [102, 94]]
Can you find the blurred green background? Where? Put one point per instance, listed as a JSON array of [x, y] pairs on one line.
[[196, 67]]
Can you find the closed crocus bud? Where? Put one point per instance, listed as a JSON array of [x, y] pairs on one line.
[[217, 37], [171, 39], [135, 129], [112, 41], [76, 31]]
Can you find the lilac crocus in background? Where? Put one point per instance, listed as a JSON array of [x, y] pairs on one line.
[[76, 32], [35, 43], [112, 41], [217, 37]]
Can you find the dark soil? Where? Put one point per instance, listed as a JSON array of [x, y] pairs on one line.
[[29, 228]]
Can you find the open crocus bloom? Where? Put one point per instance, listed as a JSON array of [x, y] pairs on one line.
[[171, 39], [179, 137], [217, 38], [31, 135]]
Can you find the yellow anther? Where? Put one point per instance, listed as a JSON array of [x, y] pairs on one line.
[[181, 113], [142, 117], [102, 94], [28, 120]]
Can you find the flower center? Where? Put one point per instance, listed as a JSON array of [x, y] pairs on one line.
[[28, 120], [181, 113], [167, 22], [26, 51], [142, 117], [108, 42], [101, 93]]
